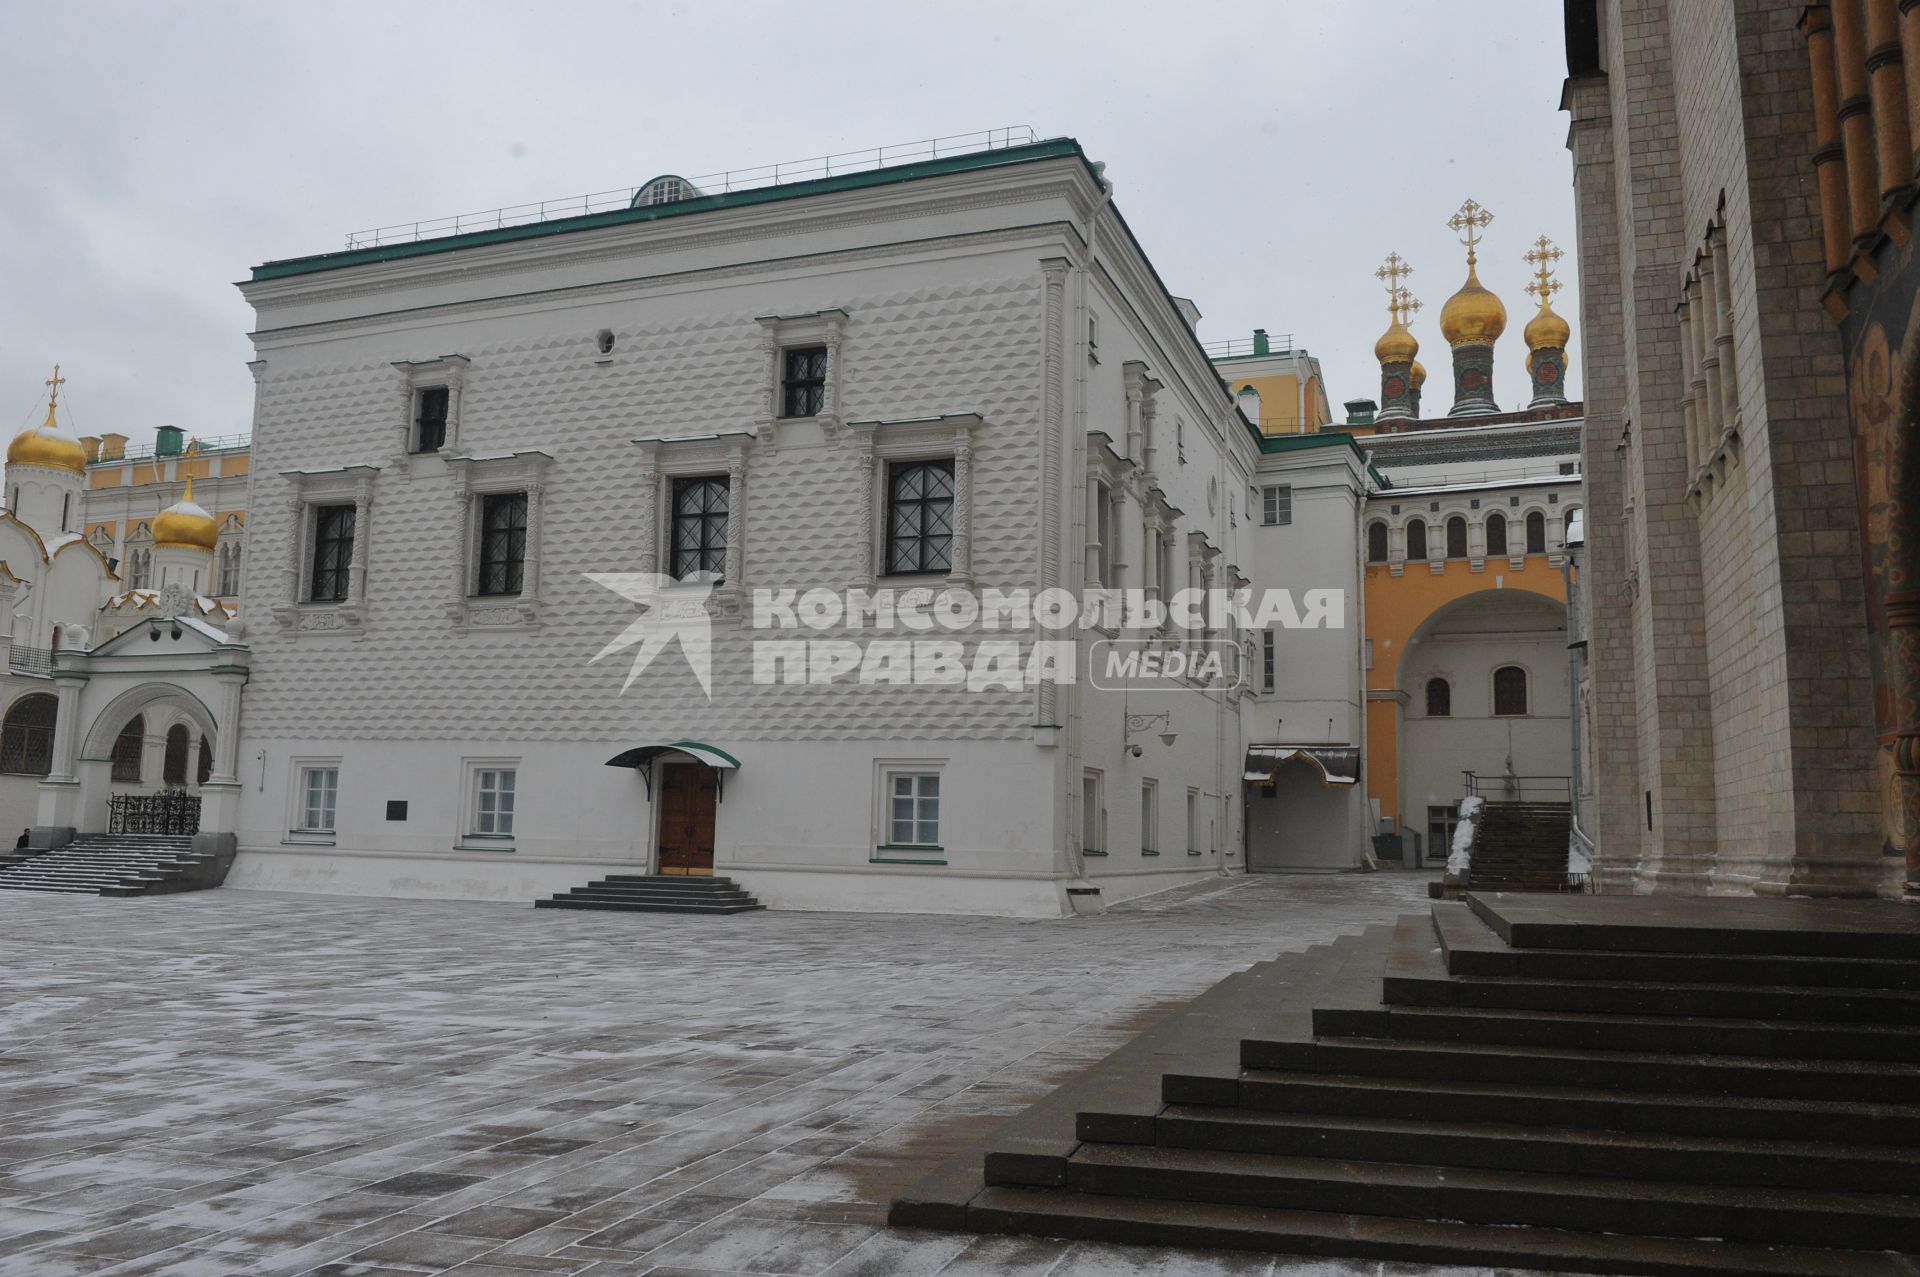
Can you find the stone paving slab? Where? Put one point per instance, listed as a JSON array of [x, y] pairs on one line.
[[252, 1084]]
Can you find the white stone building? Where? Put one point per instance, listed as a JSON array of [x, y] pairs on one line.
[[960, 374]]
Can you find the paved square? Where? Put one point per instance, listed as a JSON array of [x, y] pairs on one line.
[[241, 1083]]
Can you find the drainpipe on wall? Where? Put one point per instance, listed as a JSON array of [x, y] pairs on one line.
[[1574, 542]]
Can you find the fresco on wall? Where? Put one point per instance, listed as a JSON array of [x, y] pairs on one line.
[[1882, 350]]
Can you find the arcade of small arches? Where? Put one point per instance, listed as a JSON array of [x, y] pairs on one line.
[[1494, 534]]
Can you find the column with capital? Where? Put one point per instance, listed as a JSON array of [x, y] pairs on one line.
[[530, 558], [960, 559]]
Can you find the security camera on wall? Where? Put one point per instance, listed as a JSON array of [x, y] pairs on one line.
[[1135, 750]]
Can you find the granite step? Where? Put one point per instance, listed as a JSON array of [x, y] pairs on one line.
[[1558, 1150], [1472, 948], [1678, 925], [1535, 1104], [1150, 1222], [617, 905], [1402, 1190]]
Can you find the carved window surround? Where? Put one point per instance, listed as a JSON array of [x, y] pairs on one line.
[[1158, 518], [780, 333], [662, 461], [310, 489], [473, 479], [449, 371], [1710, 408], [875, 443]]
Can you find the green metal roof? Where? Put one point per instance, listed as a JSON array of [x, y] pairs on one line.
[[1322, 439], [1052, 149]]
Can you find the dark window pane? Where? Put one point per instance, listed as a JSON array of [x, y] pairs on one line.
[[179, 740], [26, 743], [1536, 533], [1377, 543], [503, 542], [1496, 534], [1416, 540], [332, 552], [1456, 538], [1509, 690], [920, 517], [430, 426], [127, 749], [803, 382], [1439, 698], [700, 517]]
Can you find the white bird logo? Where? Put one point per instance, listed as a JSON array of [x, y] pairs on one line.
[[671, 609]]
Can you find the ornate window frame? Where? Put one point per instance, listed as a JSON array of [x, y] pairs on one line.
[[877, 443], [780, 333], [428, 374], [475, 478], [311, 489], [662, 460]]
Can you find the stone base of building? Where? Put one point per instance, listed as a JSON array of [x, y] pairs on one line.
[[510, 878]]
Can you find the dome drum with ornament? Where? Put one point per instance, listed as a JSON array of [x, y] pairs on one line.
[[1472, 321]]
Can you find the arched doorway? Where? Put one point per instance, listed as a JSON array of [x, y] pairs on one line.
[[1484, 690]]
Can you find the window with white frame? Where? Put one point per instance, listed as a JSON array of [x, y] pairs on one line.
[[1149, 817], [913, 810], [497, 543], [429, 419], [433, 392], [1276, 504], [699, 530], [327, 553], [1267, 661], [494, 795], [319, 791], [1101, 517], [919, 517], [1193, 822]]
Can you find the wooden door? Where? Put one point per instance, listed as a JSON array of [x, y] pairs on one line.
[[687, 796]]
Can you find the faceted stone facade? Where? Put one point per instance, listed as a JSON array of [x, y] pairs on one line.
[[1727, 684]]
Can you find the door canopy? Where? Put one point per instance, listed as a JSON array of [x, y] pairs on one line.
[[641, 757]]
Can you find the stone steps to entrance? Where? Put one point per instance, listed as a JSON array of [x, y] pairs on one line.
[[116, 865], [655, 893], [1541, 1093]]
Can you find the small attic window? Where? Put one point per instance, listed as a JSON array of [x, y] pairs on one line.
[[604, 341], [664, 190]]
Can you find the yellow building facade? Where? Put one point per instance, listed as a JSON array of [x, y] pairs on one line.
[[1277, 386]]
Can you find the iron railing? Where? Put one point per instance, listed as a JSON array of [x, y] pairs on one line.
[[1234, 347], [722, 183], [201, 448], [25, 659], [171, 811], [1502, 788]]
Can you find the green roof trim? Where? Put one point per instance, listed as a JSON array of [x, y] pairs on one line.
[[1054, 148], [1322, 439]]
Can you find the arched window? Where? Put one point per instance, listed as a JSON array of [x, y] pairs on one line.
[[1509, 690], [26, 740], [1456, 538], [128, 747], [1417, 539], [206, 763], [179, 741], [229, 584], [1536, 533], [1496, 535], [1439, 698], [141, 575], [1376, 543], [1567, 520], [1249, 401]]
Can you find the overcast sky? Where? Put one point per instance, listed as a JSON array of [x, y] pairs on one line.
[[1268, 154]]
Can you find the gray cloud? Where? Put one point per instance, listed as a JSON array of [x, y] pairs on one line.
[[1268, 155]]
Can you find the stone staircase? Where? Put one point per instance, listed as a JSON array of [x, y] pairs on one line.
[[1621, 1085], [116, 865], [656, 893], [1521, 847]]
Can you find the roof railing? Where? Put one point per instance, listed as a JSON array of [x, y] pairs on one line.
[[1233, 347], [201, 448], [722, 183]]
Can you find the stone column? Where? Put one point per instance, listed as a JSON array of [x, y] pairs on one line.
[[1691, 380], [1709, 350], [960, 555], [1721, 304], [1856, 121], [736, 523], [530, 560], [462, 539], [646, 494], [220, 795], [1090, 570], [357, 568], [1890, 122], [1829, 156], [866, 475]]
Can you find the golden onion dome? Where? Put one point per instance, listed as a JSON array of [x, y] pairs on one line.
[[1396, 345], [1419, 374], [1547, 331], [186, 524], [47, 445], [1472, 316]]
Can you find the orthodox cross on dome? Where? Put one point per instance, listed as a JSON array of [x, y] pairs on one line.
[[1469, 222], [1542, 256], [1400, 303], [56, 381]]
